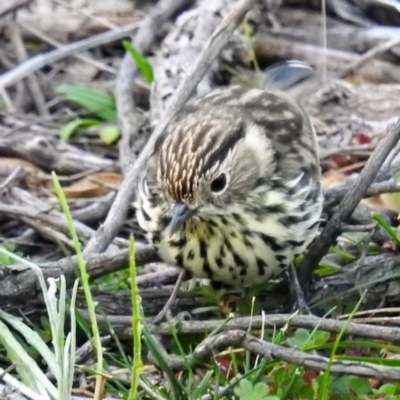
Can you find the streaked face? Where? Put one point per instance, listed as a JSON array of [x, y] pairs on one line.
[[203, 168]]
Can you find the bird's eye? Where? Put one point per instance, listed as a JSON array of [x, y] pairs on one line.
[[218, 184]]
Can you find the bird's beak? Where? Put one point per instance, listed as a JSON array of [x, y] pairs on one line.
[[180, 214]]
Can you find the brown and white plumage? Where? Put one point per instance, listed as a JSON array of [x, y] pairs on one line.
[[232, 192]]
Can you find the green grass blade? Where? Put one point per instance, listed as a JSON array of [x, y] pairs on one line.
[[386, 226], [323, 392], [85, 282], [158, 354], [98, 103], [69, 129], [137, 326], [145, 68]]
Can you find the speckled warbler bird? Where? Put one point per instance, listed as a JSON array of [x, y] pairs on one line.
[[232, 190]]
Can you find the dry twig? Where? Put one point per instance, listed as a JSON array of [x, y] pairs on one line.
[[273, 321], [240, 339], [368, 56], [46, 39], [35, 63], [335, 193], [32, 80]]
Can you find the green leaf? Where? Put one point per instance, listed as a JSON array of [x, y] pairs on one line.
[[29, 371], [327, 267], [305, 392], [389, 389], [110, 134], [300, 338], [4, 258], [320, 337], [341, 384], [360, 386], [246, 391], [93, 100], [260, 390], [68, 130], [142, 63]]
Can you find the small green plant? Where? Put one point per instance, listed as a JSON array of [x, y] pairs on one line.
[[101, 105], [303, 339], [4, 258], [137, 326], [85, 283], [60, 357], [69, 129], [143, 64], [247, 33], [391, 231], [323, 392], [96, 102], [246, 391], [388, 389]]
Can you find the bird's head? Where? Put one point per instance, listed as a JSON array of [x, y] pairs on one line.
[[212, 159]]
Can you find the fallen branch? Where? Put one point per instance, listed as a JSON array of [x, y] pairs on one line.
[[279, 320], [240, 339], [19, 285]]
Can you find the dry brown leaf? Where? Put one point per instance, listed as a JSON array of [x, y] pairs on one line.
[[389, 245], [94, 185], [332, 178], [374, 383], [31, 174]]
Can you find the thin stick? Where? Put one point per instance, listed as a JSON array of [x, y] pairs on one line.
[[273, 321], [209, 53], [47, 39], [369, 55], [22, 55], [337, 192], [10, 179], [167, 307], [41, 60], [88, 14], [240, 339]]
